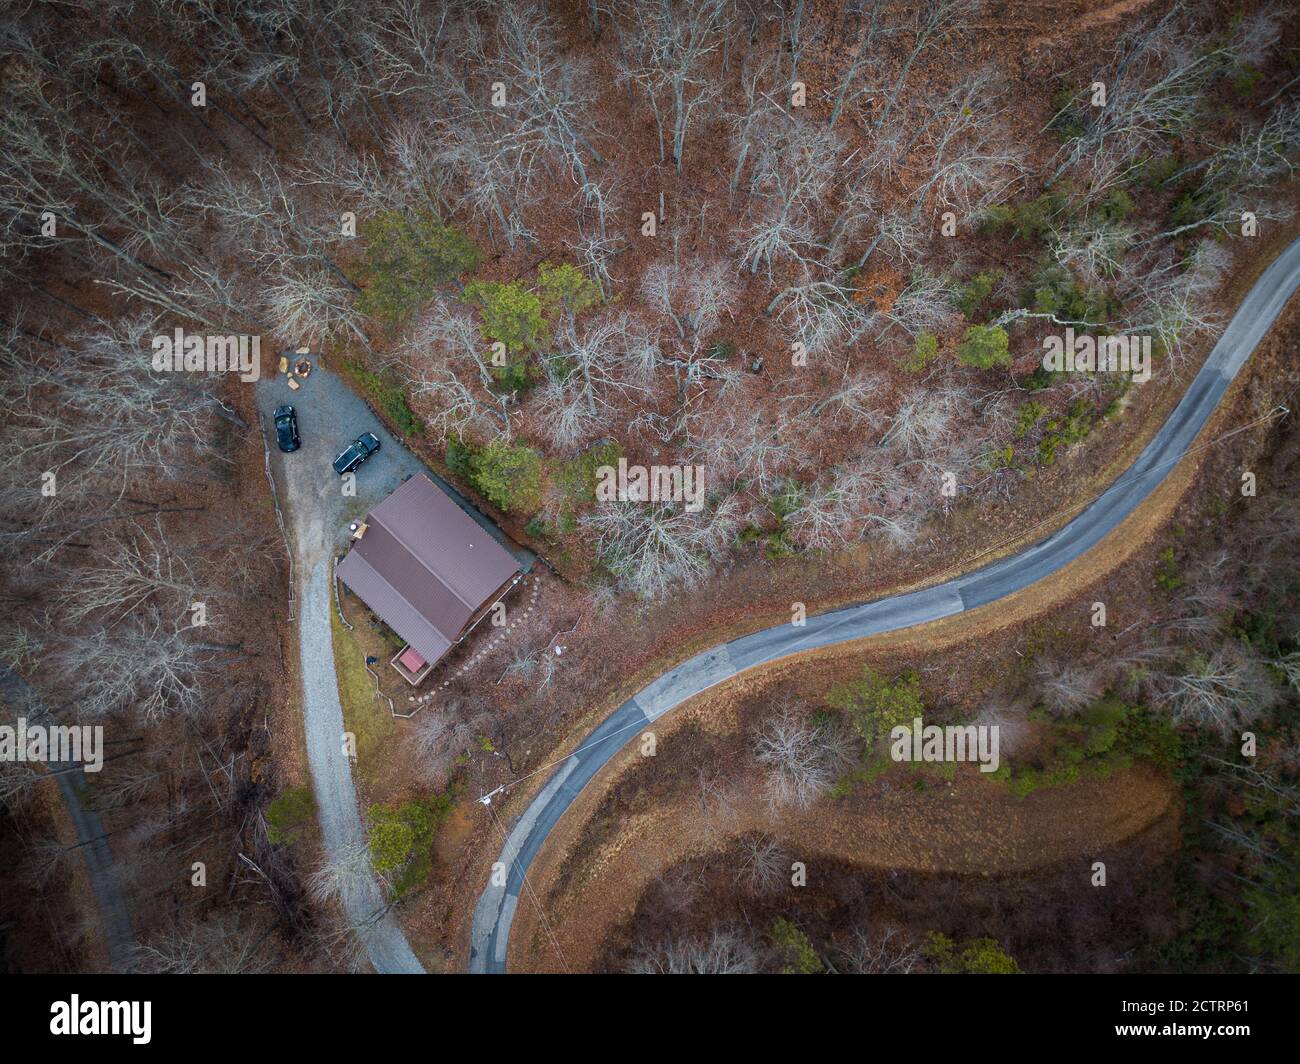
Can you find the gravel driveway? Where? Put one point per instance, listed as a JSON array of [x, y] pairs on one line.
[[330, 415]]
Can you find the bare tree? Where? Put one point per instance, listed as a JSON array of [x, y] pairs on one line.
[[762, 866], [723, 951], [665, 47], [146, 665], [344, 872], [802, 759], [441, 735], [792, 166], [652, 547], [1066, 687], [548, 92], [971, 159], [885, 952], [582, 387], [218, 945], [831, 511], [1220, 691], [104, 412], [694, 297], [131, 571], [1155, 82], [444, 358]]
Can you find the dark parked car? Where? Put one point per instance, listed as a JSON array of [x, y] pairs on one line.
[[357, 452], [286, 429]]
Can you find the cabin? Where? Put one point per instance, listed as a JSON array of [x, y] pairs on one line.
[[427, 570]]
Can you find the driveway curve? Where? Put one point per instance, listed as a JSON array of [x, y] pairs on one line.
[[494, 913], [316, 514]]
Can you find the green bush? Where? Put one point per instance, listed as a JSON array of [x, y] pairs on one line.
[[1065, 431], [1070, 112], [1167, 578], [795, 949], [510, 476], [975, 956], [1116, 206], [1033, 218], [999, 216], [406, 259], [984, 347], [1157, 170], [576, 478], [389, 397], [391, 839], [401, 838], [1027, 417], [511, 314], [924, 350], [565, 288], [1245, 81], [289, 813], [1107, 736], [999, 458], [515, 376], [1054, 290], [975, 291], [1039, 379], [460, 457], [875, 705], [1194, 205]]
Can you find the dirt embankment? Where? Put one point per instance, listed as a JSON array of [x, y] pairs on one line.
[[967, 826]]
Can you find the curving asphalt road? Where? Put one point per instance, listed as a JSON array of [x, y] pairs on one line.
[[92, 840], [495, 911]]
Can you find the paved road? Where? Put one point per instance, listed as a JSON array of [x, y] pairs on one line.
[[496, 907], [114, 917], [316, 512]]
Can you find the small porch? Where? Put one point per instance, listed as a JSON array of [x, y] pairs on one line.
[[410, 666]]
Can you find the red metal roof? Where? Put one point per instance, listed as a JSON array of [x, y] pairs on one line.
[[425, 567], [412, 660]]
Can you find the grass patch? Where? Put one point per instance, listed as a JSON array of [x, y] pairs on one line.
[[290, 813], [364, 715]]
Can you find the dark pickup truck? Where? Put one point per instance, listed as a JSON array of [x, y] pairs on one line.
[[356, 452]]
